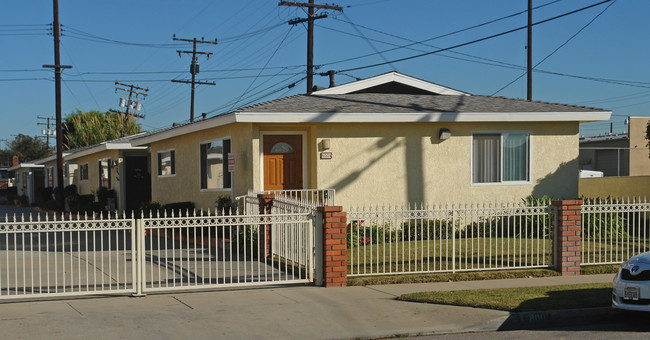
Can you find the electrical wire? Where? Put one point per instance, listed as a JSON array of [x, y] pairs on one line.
[[443, 35], [267, 63], [369, 42], [559, 47], [476, 40]]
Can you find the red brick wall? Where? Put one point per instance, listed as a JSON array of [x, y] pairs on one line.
[[335, 254], [264, 243], [568, 236]]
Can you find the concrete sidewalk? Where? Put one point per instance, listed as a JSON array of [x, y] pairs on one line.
[[276, 313]]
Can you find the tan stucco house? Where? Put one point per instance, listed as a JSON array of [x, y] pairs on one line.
[[384, 140], [115, 165]]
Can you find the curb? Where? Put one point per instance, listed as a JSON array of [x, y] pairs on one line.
[[558, 318]]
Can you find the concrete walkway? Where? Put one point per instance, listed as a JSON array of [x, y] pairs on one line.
[[271, 313]]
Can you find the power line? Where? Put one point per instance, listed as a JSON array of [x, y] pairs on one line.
[[559, 47], [267, 62], [476, 40], [439, 36], [194, 67]]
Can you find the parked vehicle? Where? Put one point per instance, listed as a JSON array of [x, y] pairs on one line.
[[590, 173], [632, 284]]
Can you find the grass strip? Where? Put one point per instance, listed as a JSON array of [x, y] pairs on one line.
[[522, 299], [450, 277]]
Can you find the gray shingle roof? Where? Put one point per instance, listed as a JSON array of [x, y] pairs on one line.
[[408, 103]]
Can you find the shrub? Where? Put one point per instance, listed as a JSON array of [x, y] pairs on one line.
[[225, 205], [150, 207], [179, 208], [104, 195]]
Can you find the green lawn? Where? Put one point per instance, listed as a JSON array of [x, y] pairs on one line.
[[445, 255], [522, 299], [475, 254]]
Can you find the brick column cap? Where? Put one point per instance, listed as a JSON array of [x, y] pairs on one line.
[[567, 202], [330, 208]]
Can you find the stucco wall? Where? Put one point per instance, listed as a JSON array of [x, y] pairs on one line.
[[185, 185], [639, 160], [90, 186], [637, 186], [408, 163]]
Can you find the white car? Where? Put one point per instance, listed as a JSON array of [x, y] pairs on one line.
[[632, 284]]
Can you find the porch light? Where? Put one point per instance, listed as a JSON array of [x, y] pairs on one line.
[[444, 134], [325, 144]]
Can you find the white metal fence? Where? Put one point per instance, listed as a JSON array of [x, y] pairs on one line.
[[425, 239], [41, 256], [84, 255], [614, 229], [311, 197]]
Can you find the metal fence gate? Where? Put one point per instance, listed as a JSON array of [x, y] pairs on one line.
[[42, 255]]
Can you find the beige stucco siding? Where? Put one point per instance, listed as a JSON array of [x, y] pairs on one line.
[[389, 163], [90, 186], [185, 185], [639, 160]]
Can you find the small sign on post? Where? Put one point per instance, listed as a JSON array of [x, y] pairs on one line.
[[231, 162]]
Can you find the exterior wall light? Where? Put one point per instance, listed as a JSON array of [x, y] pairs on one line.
[[325, 144], [444, 134]]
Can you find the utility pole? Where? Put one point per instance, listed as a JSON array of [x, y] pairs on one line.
[[57, 89], [194, 67], [311, 16], [47, 132], [529, 71], [129, 103]]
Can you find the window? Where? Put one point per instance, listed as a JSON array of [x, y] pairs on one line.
[[501, 157], [166, 163], [281, 148], [83, 172], [105, 173], [214, 165], [50, 177]]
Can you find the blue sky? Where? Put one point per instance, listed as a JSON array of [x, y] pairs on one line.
[[259, 55]]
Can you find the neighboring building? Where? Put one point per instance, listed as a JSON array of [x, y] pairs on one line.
[[115, 165], [424, 143], [28, 178], [624, 154]]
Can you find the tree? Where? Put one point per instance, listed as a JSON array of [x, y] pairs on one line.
[[647, 135], [28, 148], [92, 127]]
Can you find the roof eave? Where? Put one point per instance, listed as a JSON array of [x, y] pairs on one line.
[[396, 117], [186, 129]]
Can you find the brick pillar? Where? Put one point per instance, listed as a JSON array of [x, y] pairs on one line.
[[335, 251], [264, 243], [567, 236], [14, 161]]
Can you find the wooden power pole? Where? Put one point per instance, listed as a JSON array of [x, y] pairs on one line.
[[529, 70], [194, 68], [57, 89], [311, 16]]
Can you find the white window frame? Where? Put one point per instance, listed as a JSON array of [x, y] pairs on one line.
[[501, 181], [232, 176], [109, 170], [49, 171], [81, 166], [158, 171]]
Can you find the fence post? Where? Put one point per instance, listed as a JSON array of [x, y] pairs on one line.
[[138, 239], [265, 206], [567, 236], [335, 253]]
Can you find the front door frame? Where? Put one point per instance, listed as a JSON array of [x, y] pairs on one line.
[[303, 134]]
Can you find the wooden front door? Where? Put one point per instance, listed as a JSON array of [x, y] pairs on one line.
[[282, 162]]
